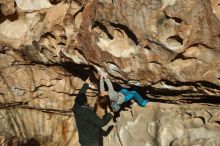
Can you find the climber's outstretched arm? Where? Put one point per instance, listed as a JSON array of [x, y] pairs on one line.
[[109, 84], [101, 84]]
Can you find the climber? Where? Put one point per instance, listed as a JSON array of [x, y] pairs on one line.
[[117, 98], [88, 123]]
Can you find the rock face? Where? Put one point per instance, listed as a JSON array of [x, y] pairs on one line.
[[166, 125], [167, 50], [36, 102]]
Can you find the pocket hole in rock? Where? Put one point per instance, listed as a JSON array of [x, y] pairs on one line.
[[61, 44], [11, 17], [48, 34], [175, 40], [54, 2], [177, 20], [127, 30], [147, 47], [103, 28]]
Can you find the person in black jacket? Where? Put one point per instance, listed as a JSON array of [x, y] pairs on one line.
[[88, 123]]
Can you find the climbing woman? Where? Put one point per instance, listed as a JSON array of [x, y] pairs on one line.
[[117, 98]]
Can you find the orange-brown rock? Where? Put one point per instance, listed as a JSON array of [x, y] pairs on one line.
[[167, 50]]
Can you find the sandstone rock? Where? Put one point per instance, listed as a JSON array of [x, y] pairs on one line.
[[7, 7], [32, 5], [16, 33], [215, 117], [167, 50], [44, 128], [215, 7], [142, 55], [171, 132], [193, 123], [165, 29]]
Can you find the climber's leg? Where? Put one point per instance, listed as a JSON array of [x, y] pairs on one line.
[[126, 94], [133, 94]]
